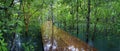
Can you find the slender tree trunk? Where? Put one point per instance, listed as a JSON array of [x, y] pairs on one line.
[[95, 26], [113, 24], [52, 18], [42, 46], [25, 19], [73, 23], [77, 17], [106, 31], [88, 22], [65, 25], [72, 20]]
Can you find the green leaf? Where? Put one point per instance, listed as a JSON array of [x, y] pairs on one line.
[[20, 23], [1, 35]]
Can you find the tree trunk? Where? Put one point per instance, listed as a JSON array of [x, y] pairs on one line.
[[65, 25], [95, 24], [106, 31], [72, 20], [52, 18], [88, 22], [77, 17]]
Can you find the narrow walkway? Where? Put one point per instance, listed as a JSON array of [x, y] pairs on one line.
[[55, 39]]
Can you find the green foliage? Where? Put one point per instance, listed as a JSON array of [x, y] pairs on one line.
[[3, 45], [28, 47]]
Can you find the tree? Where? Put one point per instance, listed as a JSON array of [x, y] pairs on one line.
[[88, 22]]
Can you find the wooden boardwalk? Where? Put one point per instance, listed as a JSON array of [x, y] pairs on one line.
[[55, 39]]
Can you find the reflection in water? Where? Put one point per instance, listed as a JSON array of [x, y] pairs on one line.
[[48, 45], [54, 46], [72, 48], [16, 43], [82, 49]]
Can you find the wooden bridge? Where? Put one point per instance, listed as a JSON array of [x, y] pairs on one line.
[[55, 39]]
